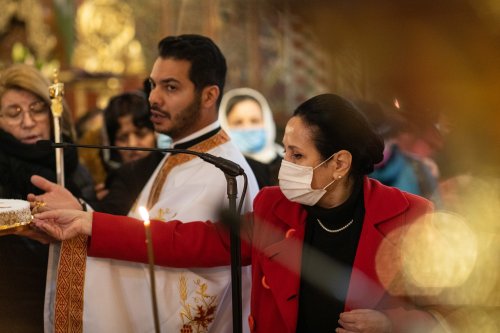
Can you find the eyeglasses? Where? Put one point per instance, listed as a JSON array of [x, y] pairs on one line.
[[38, 111]]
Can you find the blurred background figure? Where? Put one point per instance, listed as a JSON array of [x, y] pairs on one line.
[[89, 130], [90, 121], [126, 123], [25, 118], [423, 134], [399, 168], [245, 114]]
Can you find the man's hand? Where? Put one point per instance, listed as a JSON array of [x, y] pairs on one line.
[[64, 224], [364, 321], [55, 196]]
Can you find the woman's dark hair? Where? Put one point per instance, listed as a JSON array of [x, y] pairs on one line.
[[208, 65], [133, 104], [337, 124], [237, 99]]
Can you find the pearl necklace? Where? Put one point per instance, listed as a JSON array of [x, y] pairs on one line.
[[335, 230]]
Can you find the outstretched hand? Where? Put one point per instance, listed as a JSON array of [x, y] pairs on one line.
[[64, 224], [364, 321], [55, 196]]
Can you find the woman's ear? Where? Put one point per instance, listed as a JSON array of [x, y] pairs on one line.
[[342, 164], [209, 96]]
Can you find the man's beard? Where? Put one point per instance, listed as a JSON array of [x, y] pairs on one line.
[[186, 118]]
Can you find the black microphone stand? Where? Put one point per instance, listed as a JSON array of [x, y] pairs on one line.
[[235, 246], [231, 171]]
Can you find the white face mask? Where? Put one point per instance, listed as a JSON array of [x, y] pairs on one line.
[[295, 183]]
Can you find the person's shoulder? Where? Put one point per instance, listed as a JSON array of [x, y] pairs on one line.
[[227, 150], [392, 207], [381, 193], [270, 194], [271, 191], [272, 205], [146, 164], [417, 201], [261, 171], [254, 163]]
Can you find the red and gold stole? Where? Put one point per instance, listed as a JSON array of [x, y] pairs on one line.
[[178, 159]]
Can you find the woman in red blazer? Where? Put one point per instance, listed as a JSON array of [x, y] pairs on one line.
[[325, 246]]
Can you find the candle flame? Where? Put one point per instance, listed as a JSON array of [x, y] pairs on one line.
[[144, 214], [396, 104]]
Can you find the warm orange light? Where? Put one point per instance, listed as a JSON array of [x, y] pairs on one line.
[[396, 103], [144, 215]]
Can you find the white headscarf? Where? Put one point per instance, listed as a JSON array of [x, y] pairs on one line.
[[271, 150]]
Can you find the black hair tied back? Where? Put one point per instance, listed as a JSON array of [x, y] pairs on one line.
[[337, 125]]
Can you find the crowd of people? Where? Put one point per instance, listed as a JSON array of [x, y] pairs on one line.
[[323, 219]]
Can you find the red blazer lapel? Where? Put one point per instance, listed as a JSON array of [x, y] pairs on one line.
[[382, 205]]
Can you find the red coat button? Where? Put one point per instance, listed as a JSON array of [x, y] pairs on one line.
[[264, 283], [251, 323], [290, 233]]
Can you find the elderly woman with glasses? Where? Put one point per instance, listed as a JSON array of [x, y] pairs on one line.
[[25, 118]]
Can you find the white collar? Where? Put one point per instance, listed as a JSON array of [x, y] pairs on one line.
[[199, 133]]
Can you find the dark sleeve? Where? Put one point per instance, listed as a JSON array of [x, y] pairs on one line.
[[261, 172], [15, 177], [265, 173], [126, 183], [81, 184]]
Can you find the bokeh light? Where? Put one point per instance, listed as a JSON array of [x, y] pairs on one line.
[[439, 252]]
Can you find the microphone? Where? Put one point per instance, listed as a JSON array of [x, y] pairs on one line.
[[230, 168]]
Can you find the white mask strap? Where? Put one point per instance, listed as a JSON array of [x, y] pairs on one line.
[[330, 183], [317, 166], [329, 158]]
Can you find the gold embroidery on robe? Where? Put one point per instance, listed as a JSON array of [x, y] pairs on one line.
[[199, 312], [174, 160]]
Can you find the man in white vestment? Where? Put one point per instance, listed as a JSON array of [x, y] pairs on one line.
[[187, 81]]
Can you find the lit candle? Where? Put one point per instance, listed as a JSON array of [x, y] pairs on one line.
[[151, 260]]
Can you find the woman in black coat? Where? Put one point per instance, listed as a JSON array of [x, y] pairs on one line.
[[25, 118]]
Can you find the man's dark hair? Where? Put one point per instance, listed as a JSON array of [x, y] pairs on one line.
[[208, 65]]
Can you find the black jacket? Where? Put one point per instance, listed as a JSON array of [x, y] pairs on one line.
[[23, 262], [126, 183]]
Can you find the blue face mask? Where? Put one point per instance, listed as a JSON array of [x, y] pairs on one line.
[[249, 140], [163, 141]]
